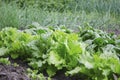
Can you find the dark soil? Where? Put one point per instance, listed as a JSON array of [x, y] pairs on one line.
[[61, 76], [9, 72]]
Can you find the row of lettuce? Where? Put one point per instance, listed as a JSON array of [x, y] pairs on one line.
[[90, 53]]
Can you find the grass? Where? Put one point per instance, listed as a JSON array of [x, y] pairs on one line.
[[100, 14], [9, 16]]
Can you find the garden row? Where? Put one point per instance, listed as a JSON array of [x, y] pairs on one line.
[[90, 53]]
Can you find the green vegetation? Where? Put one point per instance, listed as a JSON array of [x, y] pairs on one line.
[[56, 43], [101, 14], [89, 53]]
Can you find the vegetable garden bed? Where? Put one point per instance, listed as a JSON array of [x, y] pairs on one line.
[[38, 53]]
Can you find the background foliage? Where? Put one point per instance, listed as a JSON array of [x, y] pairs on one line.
[[101, 14]]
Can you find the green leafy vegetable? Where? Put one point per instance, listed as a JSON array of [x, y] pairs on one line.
[[92, 53]]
